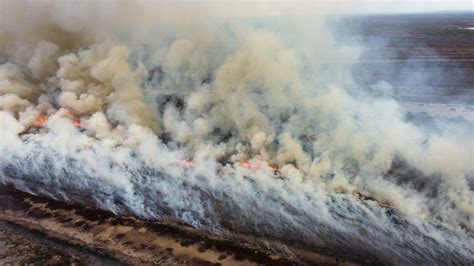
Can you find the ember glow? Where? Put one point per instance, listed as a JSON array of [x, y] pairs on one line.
[[229, 125]]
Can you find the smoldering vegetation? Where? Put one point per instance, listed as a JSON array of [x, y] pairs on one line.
[[255, 126]]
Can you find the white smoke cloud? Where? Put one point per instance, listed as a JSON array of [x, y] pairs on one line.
[[118, 118]]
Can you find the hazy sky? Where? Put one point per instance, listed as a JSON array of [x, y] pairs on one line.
[[301, 7], [413, 6]]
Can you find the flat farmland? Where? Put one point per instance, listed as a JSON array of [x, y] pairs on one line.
[[425, 57]]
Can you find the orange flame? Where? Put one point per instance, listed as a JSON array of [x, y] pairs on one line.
[[187, 163], [78, 123], [248, 165], [41, 120], [257, 166]]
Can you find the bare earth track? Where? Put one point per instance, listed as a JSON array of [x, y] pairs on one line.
[[125, 240]]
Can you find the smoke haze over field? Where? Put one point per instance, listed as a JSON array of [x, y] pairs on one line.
[[162, 110]]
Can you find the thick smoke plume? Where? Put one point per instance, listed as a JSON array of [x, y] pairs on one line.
[[230, 125]]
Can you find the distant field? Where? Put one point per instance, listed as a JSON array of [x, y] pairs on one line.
[[436, 31], [428, 57]]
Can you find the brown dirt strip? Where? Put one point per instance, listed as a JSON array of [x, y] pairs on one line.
[[134, 241]]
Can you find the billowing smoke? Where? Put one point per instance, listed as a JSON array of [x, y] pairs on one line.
[[230, 125]]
